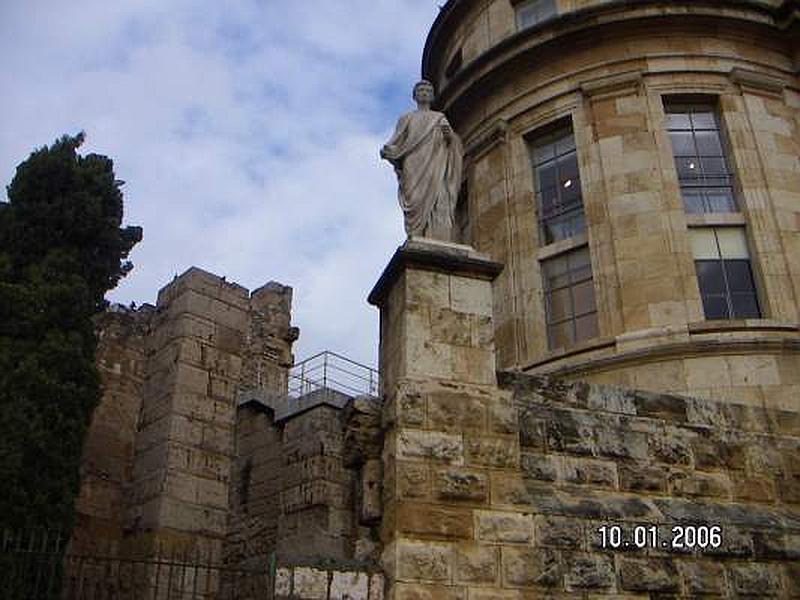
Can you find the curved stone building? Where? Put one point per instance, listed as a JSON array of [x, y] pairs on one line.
[[636, 167]]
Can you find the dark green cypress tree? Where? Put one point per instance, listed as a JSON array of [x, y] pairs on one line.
[[62, 248]]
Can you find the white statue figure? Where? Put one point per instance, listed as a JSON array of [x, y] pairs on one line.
[[427, 157]]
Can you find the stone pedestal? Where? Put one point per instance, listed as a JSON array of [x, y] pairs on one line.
[[450, 432], [435, 300]]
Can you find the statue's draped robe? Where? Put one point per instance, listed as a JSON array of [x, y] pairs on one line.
[[428, 166]]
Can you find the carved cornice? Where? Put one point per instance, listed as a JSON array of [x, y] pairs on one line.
[[757, 83], [612, 86], [432, 255]]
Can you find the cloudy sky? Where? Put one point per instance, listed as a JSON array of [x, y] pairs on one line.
[[247, 132]]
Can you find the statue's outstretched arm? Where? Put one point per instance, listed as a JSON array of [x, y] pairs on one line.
[[391, 150]]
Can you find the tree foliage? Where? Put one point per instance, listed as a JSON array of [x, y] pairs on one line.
[[62, 248]]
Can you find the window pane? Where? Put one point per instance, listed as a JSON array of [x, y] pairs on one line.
[[740, 276], [704, 119], [547, 176], [719, 200], [732, 242], [578, 222], [571, 193], [688, 168], [568, 169], [704, 243], [709, 276], [554, 267], [580, 270], [745, 306], [708, 143], [574, 304], [682, 143], [543, 151], [678, 120], [558, 189], [557, 228], [586, 327], [565, 143], [693, 201], [549, 202], [716, 307], [583, 294], [714, 166], [561, 335], [579, 258], [558, 281], [559, 305], [724, 272], [700, 159]]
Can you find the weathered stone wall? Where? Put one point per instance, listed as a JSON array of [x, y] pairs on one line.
[[317, 491], [255, 488], [485, 511], [107, 462], [267, 351], [157, 462], [306, 481], [310, 583], [185, 444], [593, 456], [500, 491]]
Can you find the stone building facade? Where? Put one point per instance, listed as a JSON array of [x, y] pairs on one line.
[[636, 167]]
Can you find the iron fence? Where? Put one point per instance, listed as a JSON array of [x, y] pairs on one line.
[[42, 566]]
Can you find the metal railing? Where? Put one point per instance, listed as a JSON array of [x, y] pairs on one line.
[[42, 566], [330, 371]]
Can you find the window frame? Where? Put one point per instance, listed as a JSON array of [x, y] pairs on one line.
[[571, 316], [704, 183], [569, 213], [725, 263]]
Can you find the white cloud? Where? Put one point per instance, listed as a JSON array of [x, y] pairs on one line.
[[247, 133]]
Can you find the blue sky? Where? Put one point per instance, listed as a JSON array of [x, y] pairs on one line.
[[247, 133]]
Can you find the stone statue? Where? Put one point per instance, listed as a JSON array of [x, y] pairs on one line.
[[427, 156]]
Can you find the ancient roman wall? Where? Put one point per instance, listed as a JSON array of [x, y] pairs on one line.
[[255, 507], [306, 482], [186, 440], [107, 463]]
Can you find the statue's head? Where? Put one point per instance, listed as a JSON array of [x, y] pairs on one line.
[[424, 93]]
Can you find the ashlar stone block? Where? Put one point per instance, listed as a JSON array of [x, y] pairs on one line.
[[349, 586], [504, 527], [310, 584], [431, 445]]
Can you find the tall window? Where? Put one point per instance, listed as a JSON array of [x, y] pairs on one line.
[[703, 168], [569, 298], [724, 273], [558, 185], [533, 12]]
